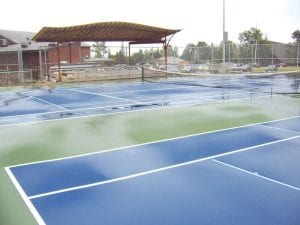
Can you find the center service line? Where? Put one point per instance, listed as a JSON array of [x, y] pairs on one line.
[[257, 175]]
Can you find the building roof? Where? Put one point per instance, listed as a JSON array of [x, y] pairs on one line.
[[105, 31], [18, 37], [22, 41], [33, 46]]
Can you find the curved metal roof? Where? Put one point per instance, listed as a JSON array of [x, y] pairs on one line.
[[105, 31]]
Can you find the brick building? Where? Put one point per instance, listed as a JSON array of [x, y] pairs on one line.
[[19, 52]]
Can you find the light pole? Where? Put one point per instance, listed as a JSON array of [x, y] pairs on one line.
[[298, 55], [225, 35]]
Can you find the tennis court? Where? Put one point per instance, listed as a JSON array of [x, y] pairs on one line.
[[47, 104], [155, 152]]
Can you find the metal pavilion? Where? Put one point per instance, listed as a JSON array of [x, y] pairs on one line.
[[132, 33]]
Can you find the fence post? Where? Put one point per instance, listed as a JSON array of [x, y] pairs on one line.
[[143, 75], [252, 54], [298, 55], [31, 78], [212, 53], [46, 71], [8, 76], [20, 62], [41, 65], [224, 55], [229, 57], [212, 56], [272, 55]]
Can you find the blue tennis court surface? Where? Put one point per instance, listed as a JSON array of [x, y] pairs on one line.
[[245, 175], [48, 104]]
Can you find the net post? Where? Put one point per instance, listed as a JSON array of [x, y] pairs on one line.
[[271, 91]]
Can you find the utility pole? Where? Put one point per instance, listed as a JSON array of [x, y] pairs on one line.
[[298, 55], [225, 34]]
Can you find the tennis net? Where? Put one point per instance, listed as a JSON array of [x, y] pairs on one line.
[[280, 82]]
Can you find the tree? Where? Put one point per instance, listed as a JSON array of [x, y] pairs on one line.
[[100, 49], [199, 53], [203, 52], [252, 36], [255, 37], [158, 53], [138, 57], [296, 36], [189, 52], [172, 51], [201, 44], [120, 57]]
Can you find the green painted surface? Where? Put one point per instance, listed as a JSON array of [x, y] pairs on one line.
[[48, 140]]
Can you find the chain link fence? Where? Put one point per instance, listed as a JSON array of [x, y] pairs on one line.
[[119, 62], [15, 77]]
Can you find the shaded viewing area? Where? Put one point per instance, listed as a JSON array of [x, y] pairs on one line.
[[106, 32]]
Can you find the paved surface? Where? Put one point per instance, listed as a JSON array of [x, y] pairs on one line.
[[245, 175]]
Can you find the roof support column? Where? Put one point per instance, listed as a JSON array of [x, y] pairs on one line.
[[41, 65], [70, 52], [129, 63], [58, 62], [165, 51]]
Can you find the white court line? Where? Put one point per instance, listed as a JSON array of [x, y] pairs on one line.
[[132, 111], [103, 95], [143, 90], [157, 170], [257, 175], [128, 104], [27, 201], [152, 142], [278, 128], [44, 101], [50, 103]]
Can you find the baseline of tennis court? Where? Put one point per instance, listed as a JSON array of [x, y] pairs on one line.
[[245, 175]]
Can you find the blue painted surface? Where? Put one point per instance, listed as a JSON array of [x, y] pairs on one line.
[[60, 114], [144, 92], [201, 193], [280, 161], [127, 87], [14, 104], [75, 100], [205, 192], [171, 93], [105, 166], [291, 124]]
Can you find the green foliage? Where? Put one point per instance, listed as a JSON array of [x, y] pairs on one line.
[[188, 52], [254, 46], [146, 55], [296, 36], [199, 53], [100, 49], [120, 57], [252, 36], [172, 51]]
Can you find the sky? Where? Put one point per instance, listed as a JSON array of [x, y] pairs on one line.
[[199, 20]]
